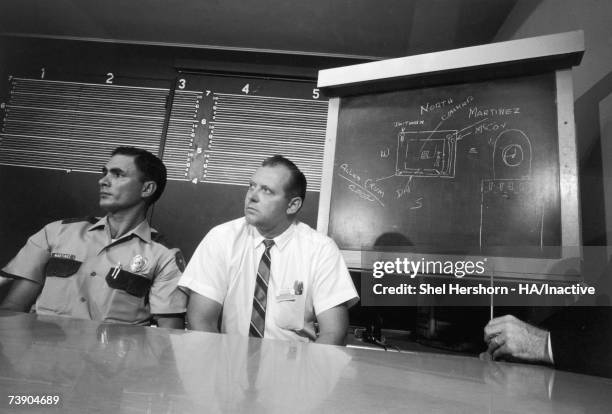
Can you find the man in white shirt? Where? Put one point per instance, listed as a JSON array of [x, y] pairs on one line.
[[267, 274]]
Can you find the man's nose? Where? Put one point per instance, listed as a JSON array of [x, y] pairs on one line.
[[253, 195], [103, 181]]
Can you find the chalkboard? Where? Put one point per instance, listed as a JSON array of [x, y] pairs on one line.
[[460, 169]]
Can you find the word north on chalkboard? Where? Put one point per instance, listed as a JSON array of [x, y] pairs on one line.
[[454, 169]]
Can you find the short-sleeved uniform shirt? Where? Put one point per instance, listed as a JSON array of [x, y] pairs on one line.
[[88, 275], [307, 276]]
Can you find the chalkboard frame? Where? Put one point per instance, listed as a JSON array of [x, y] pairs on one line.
[[545, 54]]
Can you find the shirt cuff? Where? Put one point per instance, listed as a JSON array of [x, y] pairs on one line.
[[549, 353]]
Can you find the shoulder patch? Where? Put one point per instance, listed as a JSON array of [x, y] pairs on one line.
[[180, 261], [90, 219]]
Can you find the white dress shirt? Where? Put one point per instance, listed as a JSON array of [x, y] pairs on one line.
[[224, 266]]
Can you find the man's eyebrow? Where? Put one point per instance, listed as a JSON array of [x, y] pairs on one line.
[[114, 170]]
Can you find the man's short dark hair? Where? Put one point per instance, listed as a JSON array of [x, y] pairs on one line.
[[151, 168], [296, 187]]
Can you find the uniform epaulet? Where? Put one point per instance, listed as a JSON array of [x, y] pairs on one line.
[[90, 219], [159, 238]]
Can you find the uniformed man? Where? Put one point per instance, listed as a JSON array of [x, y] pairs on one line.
[[113, 269]]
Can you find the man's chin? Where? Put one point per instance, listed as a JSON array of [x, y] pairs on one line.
[[107, 207], [250, 217]]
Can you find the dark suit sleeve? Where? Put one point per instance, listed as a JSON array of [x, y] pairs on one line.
[[581, 339]]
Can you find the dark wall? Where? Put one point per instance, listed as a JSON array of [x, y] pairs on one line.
[[33, 197]]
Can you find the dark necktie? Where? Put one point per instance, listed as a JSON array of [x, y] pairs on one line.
[[258, 316]]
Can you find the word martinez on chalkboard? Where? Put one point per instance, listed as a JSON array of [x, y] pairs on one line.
[[458, 169]]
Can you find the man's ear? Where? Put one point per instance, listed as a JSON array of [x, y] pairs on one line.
[[148, 189], [294, 205]]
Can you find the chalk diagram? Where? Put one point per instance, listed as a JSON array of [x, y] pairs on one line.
[[418, 154], [512, 155], [512, 175], [420, 151], [426, 153]]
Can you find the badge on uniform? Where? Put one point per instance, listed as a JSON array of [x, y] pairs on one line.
[[138, 263]]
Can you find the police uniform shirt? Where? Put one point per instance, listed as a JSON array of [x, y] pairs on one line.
[[88, 275]]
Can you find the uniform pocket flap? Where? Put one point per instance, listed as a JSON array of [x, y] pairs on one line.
[[131, 283], [61, 267]]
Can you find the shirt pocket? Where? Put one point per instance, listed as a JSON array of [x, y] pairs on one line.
[[61, 267], [131, 283], [124, 307], [59, 292], [289, 312]]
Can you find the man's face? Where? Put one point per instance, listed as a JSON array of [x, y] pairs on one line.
[[266, 204], [121, 186]]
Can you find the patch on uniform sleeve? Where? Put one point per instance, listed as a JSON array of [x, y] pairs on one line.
[[180, 261]]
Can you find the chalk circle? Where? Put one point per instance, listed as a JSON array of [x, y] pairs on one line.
[[513, 155]]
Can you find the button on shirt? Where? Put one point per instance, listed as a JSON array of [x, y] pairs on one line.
[[307, 276], [72, 259]]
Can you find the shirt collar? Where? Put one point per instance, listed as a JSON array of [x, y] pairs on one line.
[[100, 223], [143, 230], [280, 241]]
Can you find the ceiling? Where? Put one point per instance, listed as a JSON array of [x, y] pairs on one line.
[[367, 28]]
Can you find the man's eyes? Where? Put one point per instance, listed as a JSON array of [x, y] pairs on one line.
[[267, 190]]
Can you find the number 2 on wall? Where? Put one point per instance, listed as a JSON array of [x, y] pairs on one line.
[[109, 77]]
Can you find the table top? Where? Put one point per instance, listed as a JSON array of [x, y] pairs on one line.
[[98, 367]]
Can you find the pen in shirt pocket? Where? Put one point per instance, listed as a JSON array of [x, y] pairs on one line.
[[298, 287], [116, 271]]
